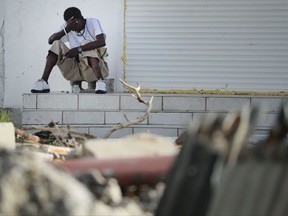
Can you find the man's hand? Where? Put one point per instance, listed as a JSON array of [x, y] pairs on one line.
[[72, 24], [71, 53]]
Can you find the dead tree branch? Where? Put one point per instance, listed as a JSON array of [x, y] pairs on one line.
[[137, 95]]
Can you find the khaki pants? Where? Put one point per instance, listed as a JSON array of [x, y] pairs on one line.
[[78, 71]]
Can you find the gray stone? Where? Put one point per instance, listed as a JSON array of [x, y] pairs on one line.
[[7, 136]]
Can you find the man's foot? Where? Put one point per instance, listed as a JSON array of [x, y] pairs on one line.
[[41, 86], [100, 87]]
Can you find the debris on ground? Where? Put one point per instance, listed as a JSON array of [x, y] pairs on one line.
[[127, 181], [58, 171]]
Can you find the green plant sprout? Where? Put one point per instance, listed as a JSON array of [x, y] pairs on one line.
[[5, 116]]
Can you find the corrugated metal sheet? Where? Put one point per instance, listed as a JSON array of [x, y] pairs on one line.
[[208, 44]]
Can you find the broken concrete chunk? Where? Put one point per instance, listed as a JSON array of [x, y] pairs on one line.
[[7, 136], [138, 145]]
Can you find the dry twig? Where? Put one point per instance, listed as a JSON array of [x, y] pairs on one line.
[[138, 120]]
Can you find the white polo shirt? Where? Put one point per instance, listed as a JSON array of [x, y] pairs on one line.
[[92, 28]]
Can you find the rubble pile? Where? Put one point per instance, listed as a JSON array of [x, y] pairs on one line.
[[49, 180], [211, 169], [30, 186]]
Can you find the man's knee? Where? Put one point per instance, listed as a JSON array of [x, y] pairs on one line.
[[51, 54], [93, 62], [58, 47], [58, 42]]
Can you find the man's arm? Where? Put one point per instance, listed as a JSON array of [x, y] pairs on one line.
[[56, 36], [71, 25], [100, 42]]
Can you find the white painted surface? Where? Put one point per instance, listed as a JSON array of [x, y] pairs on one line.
[[185, 44], [2, 65], [213, 44], [28, 24]]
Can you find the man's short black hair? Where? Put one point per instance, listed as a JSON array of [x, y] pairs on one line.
[[72, 11]]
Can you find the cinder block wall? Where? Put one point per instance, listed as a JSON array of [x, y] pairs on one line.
[[170, 114]]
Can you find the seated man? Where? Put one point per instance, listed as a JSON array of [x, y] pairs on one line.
[[84, 59]]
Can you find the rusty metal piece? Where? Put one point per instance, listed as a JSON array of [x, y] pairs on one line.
[[128, 171]]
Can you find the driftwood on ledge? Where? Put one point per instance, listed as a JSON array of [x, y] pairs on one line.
[[137, 95]]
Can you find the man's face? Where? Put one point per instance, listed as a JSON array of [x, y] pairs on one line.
[[75, 23]]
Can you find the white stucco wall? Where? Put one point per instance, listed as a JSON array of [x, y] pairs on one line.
[[28, 24], [2, 66]]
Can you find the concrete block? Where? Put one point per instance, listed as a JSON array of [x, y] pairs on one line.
[[226, 103], [118, 117], [258, 135], [266, 120], [7, 136], [80, 129], [198, 116], [181, 130], [268, 104], [36, 117], [128, 102], [57, 101], [101, 131], [90, 87], [179, 103], [110, 85], [169, 118], [29, 101], [99, 102], [83, 117]]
